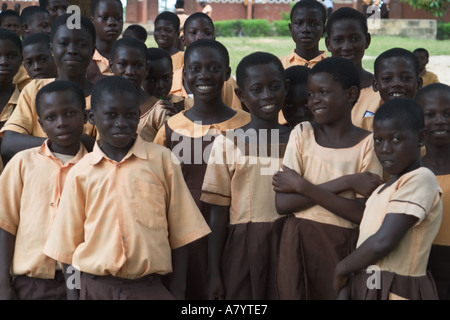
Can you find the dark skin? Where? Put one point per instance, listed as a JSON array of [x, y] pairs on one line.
[[403, 148], [77, 46], [264, 86], [332, 129], [7, 242]]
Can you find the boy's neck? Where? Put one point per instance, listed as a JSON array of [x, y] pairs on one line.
[[143, 96], [80, 80], [308, 54], [171, 50], [213, 111], [104, 48], [117, 154], [69, 150], [436, 158], [365, 77]]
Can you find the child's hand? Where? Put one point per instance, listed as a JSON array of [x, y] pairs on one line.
[[365, 183], [340, 285], [287, 181]]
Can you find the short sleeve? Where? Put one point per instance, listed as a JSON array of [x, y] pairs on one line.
[[415, 194], [160, 137], [292, 156], [153, 122]]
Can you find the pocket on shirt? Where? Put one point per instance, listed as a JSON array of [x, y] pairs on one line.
[[149, 205]]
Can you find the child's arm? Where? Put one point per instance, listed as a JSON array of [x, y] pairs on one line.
[[72, 293], [7, 241], [13, 142], [219, 219], [376, 247], [177, 285], [294, 193]]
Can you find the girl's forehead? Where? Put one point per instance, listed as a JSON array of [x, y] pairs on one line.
[[131, 53], [105, 5], [64, 31], [200, 23], [205, 54], [346, 26]]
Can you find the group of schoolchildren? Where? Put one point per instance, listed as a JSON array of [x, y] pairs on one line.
[[151, 173]]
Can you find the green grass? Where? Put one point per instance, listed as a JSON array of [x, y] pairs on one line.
[[280, 46]]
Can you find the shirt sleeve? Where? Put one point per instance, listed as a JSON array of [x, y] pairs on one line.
[[160, 137], [153, 122], [415, 195], [292, 156]]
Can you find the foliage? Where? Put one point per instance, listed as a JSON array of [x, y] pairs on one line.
[[435, 7]]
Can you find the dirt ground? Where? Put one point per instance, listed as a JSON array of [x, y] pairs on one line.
[[441, 66]]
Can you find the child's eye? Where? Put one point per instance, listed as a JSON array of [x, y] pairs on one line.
[[377, 140], [396, 139], [50, 118], [428, 115]]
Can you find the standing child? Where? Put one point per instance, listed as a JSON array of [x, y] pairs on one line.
[[135, 31], [348, 37], [167, 31], [397, 76], [72, 50], [125, 214], [37, 57], [402, 216], [190, 133], [162, 104], [428, 77], [32, 183], [295, 109], [35, 19], [307, 26], [10, 19], [246, 229], [56, 8], [107, 17], [199, 26], [329, 169], [435, 102]]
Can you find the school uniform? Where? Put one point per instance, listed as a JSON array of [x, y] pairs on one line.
[[24, 119], [368, 103], [293, 59], [429, 78], [404, 270], [177, 60], [239, 175], [21, 79], [32, 183], [191, 144], [120, 221], [439, 261], [98, 68], [229, 97], [315, 240], [153, 119]]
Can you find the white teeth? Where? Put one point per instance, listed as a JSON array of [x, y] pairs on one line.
[[397, 94], [204, 87], [319, 110], [439, 132], [268, 107]]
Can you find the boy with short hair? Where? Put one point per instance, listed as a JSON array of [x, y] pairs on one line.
[[35, 19], [37, 57], [124, 208], [32, 183], [10, 19], [135, 31], [56, 8], [167, 31], [428, 77], [306, 27]]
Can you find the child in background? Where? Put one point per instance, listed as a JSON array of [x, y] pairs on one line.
[[166, 33], [348, 37], [56, 8], [307, 25], [72, 50], [107, 16], [128, 180], [295, 109], [135, 31], [162, 104], [428, 77], [329, 169], [37, 57], [199, 26], [189, 133], [402, 216], [32, 183], [10, 19], [246, 229], [182, 15], [35, 19], [435, 102], [396, 76]]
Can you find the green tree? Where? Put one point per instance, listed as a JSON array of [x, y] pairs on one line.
[[435, 7]]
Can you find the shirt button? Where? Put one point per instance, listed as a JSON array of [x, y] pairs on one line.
[[118, 165]]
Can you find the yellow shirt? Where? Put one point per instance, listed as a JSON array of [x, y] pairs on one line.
[[124, 218], [24, 119], [319, 164], [416, 193], [443, 236], [102, 63], [293, 59], [429, 78], [178, 60], [31, 186], [21, 79], [368, 103]]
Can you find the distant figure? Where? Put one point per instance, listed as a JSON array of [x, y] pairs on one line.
[[181, 13], [206, 8], [329, 6], [17, 8], [4, 6]]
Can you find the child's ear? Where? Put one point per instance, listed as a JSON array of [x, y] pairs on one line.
[[228, 75], [419, 83], [25, 28], [240, 95], [422, 137], [353, 94], [90, 116], [374, 85], [327, 43], [368, 40]]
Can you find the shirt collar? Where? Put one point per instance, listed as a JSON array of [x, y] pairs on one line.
[[44, 150], [138, 149]]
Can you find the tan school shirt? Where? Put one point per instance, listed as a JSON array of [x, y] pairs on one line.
[[443, 236], [24, 119], [124, 218], [31, 185], [368, 103], [416, 193], [293, 59], [319, 164]]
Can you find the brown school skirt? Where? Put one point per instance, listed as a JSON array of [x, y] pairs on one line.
[[309, 253], [392, 287], [439, 267], [249, 261], [113, 288], [29, 288]]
